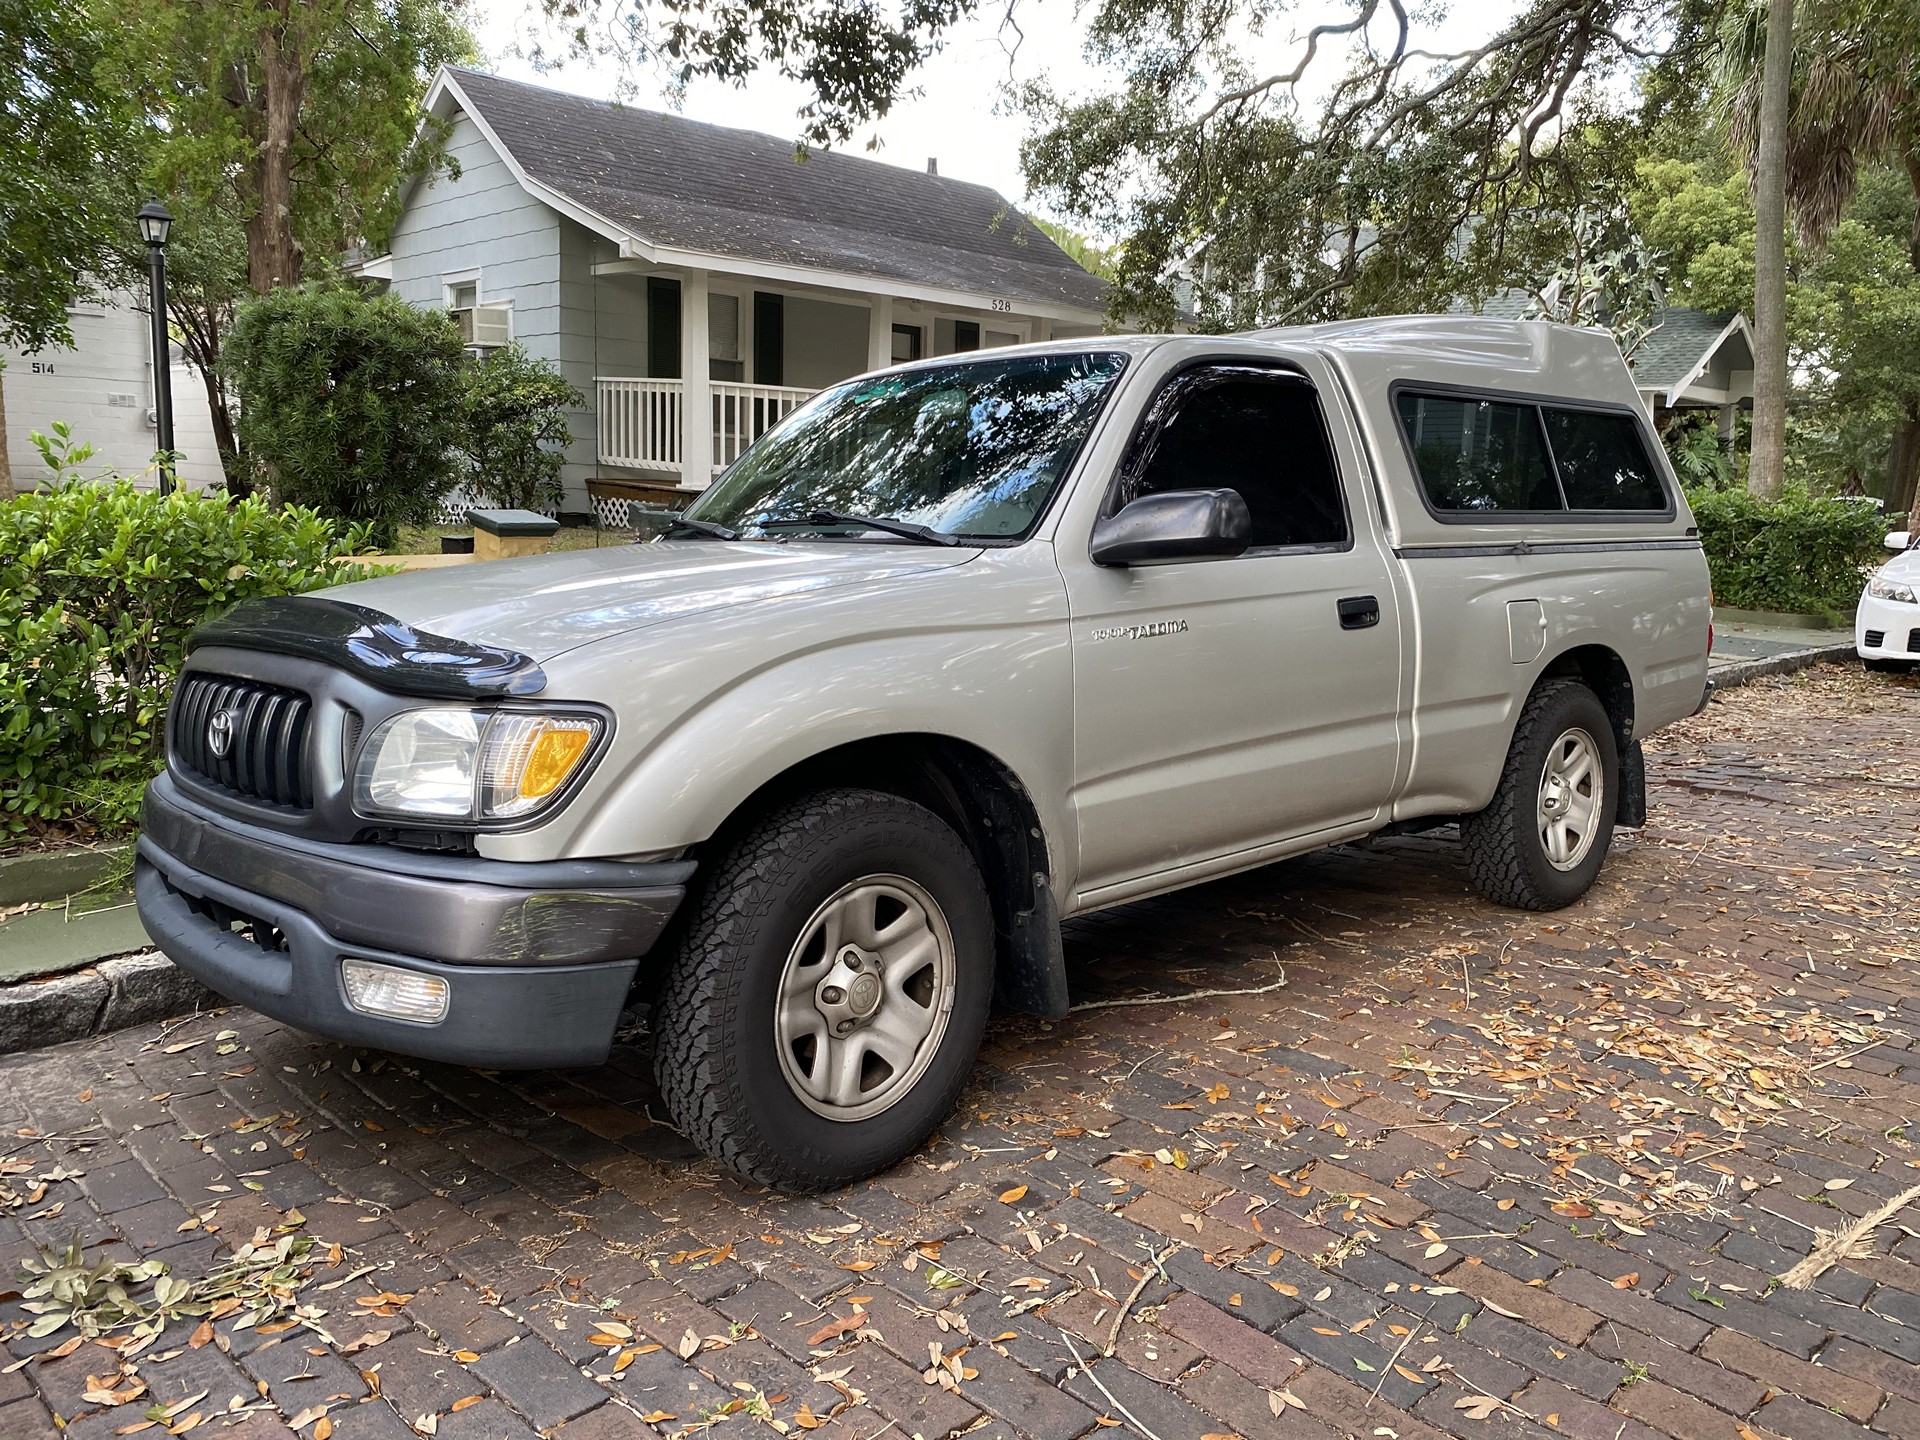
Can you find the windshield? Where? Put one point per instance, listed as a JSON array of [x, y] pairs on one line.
[[974, 449]]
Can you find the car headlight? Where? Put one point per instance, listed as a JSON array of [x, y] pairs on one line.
[[1881, 588], [471, 765]]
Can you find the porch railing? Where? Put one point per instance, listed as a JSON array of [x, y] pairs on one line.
[[639, 419]]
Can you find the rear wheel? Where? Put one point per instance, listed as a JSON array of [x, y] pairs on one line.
[[828, 999], [1542, 841]]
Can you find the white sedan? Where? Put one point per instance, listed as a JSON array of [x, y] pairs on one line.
[[1886, 628]]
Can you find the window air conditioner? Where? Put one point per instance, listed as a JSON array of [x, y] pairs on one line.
[[484, 327]]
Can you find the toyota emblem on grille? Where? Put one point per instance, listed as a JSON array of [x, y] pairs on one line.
[[220, 733]]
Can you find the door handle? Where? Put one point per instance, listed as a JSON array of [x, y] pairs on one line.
[[1357, 612]]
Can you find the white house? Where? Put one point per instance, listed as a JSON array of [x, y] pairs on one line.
[[592, 232], [103, 387]]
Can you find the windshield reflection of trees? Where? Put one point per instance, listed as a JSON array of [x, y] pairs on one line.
[[973, 448]]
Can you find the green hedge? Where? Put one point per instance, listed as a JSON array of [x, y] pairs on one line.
[[1806, 554], [100, 583]]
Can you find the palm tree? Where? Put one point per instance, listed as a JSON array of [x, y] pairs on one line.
[[1811, 127]]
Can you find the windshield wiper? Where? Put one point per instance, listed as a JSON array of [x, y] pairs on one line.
[[906, 529], [671, 520]]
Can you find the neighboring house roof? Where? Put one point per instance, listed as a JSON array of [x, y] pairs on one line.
[[1683, 343], [680, 186]]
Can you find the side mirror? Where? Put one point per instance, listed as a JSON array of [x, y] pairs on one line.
[[1174, 525], [1899, 540]]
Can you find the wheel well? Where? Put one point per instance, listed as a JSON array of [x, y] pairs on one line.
[[1606, 674], [988, 807]]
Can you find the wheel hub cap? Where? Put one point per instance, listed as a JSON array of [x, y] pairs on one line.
[[851, 990], [1571, 799], [864, 997]]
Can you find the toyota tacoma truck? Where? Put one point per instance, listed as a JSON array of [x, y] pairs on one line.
[[958, 650]]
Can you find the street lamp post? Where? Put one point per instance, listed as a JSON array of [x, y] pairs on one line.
[[155, 222]]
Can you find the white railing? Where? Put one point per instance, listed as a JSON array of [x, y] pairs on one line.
[[743, 413], [639, 422], [639, 419]]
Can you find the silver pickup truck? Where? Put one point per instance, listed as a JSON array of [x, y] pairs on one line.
[[960, 649]]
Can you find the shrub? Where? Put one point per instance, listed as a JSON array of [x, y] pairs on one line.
[[100, 584], [1802, 553], [349, 403], [515, 431]]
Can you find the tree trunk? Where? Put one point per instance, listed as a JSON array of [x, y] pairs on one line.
[[1903, 467], [273, 254], [6, 465], [225, 444], [1766, 472]]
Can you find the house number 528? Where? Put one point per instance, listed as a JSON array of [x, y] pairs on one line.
[[1002, 305]]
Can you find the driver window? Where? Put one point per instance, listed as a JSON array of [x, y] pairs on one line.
[[1261, 435]]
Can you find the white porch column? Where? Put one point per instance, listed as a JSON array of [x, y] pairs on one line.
[[880, 332], [696, 393]]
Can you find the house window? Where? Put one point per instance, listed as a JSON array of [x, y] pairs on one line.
[[723, 338], [966, 335], [663, 327], [463, 296], [769, 338], [907, 342]]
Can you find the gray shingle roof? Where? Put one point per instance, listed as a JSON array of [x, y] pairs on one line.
[[1680, 340], [682, 184]]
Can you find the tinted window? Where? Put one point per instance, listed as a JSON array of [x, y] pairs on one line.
[[1478, 454], [1263, 437], [1603, 464]]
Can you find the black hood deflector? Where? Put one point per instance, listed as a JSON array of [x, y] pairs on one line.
[[374, 646]]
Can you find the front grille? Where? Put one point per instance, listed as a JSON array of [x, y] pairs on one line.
[[268, 758], [1875, 639], [1913, 641]]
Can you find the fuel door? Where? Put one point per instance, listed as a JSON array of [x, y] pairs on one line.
[[1526, 630]]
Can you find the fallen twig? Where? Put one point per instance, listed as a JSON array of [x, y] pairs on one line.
[[1113, 1335], [1176, 999], [1388, 1368], [1838, 1245], [1087, 1370]]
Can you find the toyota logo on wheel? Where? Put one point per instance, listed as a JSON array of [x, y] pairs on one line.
[[220, 733]]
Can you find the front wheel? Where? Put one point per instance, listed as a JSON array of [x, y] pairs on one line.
[[828, 999], [1542, 841]]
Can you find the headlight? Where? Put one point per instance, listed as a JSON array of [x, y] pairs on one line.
[[470, 765], [1881, 588]]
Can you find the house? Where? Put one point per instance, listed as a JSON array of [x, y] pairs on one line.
[[696, 282], [102, 386], [1696, 359]]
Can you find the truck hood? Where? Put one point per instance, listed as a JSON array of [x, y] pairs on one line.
[[545, 605]]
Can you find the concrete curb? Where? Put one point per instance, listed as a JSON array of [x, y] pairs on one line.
[[1726, 677], [127, 990]]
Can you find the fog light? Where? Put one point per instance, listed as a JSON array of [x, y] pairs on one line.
[[388, 990]]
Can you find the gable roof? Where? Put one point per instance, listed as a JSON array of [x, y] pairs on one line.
[[674, 184], [1683, 343]]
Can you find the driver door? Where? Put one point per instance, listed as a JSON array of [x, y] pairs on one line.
[[1222, 705]]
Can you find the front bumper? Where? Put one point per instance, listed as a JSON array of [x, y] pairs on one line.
[[538, 957], [1886, 629]]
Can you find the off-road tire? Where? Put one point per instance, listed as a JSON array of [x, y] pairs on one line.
[[1506, 857], [715, 1055]]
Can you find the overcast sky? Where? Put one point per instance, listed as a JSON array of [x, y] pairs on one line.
[[959, 116]]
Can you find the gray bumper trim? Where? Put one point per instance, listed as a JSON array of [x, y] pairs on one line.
[[504, 1017], [455, 908]]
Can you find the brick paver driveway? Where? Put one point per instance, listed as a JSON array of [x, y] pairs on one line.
[[1468, 1171]]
